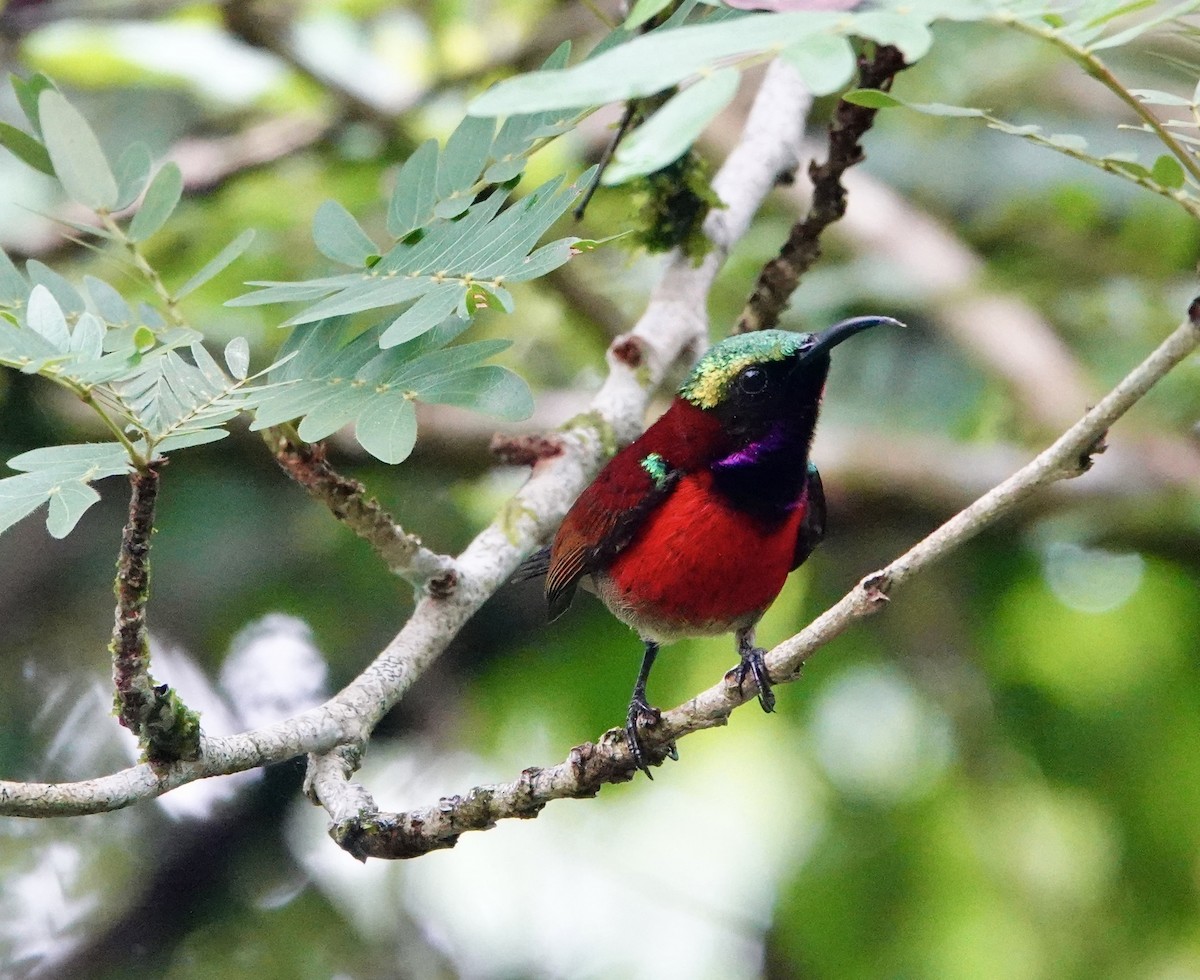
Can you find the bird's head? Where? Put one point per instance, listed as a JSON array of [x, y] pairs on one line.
[[754, 382]]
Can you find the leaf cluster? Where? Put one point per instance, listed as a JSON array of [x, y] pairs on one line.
[[1080, 31], [705, 50], [456, 239], [157, 389], [331, 378], [453, 242]]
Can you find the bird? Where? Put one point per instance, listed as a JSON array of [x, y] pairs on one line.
[[692, 529]]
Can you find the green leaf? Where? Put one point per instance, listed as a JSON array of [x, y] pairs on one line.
[[1168, 172], [68, 503], [27, 91], [13, 288], [425, 314], [101, 456], [211, 370], [481, 247], [22, 347], [340, 238], [67, 295], [108, 303], [668, 134], [460, 164], [902, 31], [60, 476], [387, 429], [368, 295], [332, 381], [478, 298], [78, 160], [872, 98], [1151, 96], [1129, 167], [185, 440], [25, 148], [1133, 33], [162, 197], [45, 317], [19, 497], [1068, 141], [653, 62], [165, 395], [237, 357], [1119, 10], [545, 259], [642, 11], [132, 171], [875, 99], [144, 339], [339, 407], [291, 292], [825, 62], [218, 263], [413, 199], [1029, 130], [490, 389], [87, 339]]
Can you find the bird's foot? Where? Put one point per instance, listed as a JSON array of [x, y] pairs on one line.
[[752, 665], [640, 713]]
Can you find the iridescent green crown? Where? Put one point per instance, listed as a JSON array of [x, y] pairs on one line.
[[708, 384]]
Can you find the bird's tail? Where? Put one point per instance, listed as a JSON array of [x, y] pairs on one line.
[[535, 566]]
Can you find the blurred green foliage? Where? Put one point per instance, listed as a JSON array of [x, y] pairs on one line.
[[999, 776]]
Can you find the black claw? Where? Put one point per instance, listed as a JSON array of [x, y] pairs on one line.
[[752, 664], [640, 711]]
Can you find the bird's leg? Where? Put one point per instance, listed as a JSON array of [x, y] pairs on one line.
[[752, 664], [641, 712]]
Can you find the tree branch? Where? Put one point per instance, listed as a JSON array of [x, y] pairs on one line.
[[347, 500], [591, 765], [780, 276], [164, 726]]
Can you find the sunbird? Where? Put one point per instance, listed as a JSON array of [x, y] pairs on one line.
[[692, 529]]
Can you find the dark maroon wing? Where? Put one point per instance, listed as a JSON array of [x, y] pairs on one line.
[[604, 520], [812, 527]]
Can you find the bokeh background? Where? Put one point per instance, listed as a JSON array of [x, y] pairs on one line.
[[998, 777]]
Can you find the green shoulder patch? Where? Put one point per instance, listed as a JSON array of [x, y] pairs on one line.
[[657, 468]]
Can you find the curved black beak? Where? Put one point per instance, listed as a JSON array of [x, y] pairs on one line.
[[830, 338]]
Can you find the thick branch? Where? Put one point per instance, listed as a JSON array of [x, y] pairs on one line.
[[589, 766], [780, 276], [166, 729], [347, 500]]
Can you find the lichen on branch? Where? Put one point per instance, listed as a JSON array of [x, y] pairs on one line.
[[165, 727]]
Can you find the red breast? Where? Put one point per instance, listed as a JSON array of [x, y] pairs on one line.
[[698, 566]]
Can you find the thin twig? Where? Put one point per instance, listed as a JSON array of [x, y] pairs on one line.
[[610, 148], [780, 276], [347, 500]]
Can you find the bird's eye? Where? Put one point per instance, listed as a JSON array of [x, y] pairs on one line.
[[753, 381]]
